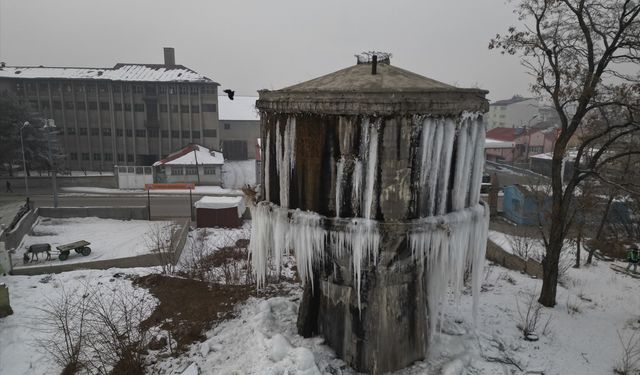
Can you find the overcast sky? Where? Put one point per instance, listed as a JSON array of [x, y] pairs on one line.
[[248, 45]]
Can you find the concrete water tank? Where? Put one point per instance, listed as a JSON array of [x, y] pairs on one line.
[[371, 177]]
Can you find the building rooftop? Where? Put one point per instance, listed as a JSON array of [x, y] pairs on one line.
[[513, 100], [120, 72], [193, 154], [495, 143], [508, 134], [358, 78], [242, 108]]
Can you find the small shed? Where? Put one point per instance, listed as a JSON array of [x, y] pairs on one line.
[[223, 212], [526, 205]]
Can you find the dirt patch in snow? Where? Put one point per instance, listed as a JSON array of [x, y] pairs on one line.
[[188, 308]]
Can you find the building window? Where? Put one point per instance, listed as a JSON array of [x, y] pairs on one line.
[[93, 105], [195, 109], [90, 88], [106, 132], [195, 134], [209, 89], [116, 88], [117, 106], [175, 134], [185, 134], [177, 171], [163, 108], [184, 109], [71, 131], [184, 90], [129, 133], [44, 104], [130, 158], [85, 156], [164, 134], [227, 126], [119, 132], [102, 87], [191, 170], [162, 89], [140, 133], [95, 131], [209, 107], [68, 88], [210, 133], [174, 108], [150, 90], [68, 105], [120, 157], [60, 131], [104, 106], [127, 107], [57, 104], [33, 104], [194, 90], [96, 156], [138, 107], [73, 156], [83, 131], [80, 106], [108, 157], [153, 133], [43, 86], [137, 89], [55, 86], [209, 169]]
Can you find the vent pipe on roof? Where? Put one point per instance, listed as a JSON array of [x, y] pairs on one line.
[[169, 56]]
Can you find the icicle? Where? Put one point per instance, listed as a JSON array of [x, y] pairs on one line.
[[356, 188], [457, 197], [339, 178], [285, 157], [434, 166], [307, 240], [468, 162], [478, 163], [345, 131], [372, 171], [266, 155], [261, 239], [426, 144], [445, 167]]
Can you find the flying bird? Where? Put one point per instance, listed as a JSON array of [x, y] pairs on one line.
[[230, 93]]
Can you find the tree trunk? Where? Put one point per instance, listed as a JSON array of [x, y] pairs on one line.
[[578, 244], [603, 221], [550, 270]]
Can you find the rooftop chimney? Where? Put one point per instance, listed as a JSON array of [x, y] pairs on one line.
[[169, 56], [374, 64]]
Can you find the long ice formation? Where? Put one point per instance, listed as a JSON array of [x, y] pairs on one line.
[[447, 239]]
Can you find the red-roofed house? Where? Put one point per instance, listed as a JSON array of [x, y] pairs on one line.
[[193, 164], [525, 142]]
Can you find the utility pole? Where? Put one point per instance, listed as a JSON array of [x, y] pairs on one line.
[[50, 128], [24, 162]]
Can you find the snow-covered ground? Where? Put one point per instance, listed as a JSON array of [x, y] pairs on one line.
[[578, 336], [21, 333], [109, 238]]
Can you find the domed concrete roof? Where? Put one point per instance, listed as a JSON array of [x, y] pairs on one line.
[[390, 91]]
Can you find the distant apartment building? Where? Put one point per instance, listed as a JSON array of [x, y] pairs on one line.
[[131, 114], [517, 112], [239, 127]]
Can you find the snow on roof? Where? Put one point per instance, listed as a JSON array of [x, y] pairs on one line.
[[191, 155], [120, 72], [496, 143], [240, 108], [216, 203], [570, 155]]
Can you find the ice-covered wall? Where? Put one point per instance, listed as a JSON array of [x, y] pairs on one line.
[[447, 236]]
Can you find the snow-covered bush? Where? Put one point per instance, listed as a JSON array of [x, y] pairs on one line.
[[531, 315], [629, 362], [162, 241]]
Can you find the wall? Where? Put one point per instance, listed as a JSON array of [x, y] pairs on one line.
[[513, 262], [122, 213], [13, 238], [248, 131], [63, 181], [204, 179]]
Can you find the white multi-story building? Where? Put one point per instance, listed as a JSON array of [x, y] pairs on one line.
[[517, 112]]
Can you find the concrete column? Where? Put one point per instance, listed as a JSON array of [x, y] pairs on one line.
[[99, 126], [180, 115], [133, 127], [112, 116], [124, 125], [169, 120]]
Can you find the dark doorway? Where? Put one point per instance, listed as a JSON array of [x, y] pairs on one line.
[[235, 150]]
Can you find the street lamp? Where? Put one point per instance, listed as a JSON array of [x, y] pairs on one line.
[[24, 163], [50, 128]]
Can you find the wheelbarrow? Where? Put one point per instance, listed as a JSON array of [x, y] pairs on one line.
[[80, 247]]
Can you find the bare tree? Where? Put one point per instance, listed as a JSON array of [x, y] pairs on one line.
[[163, 241], [583, 55]]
